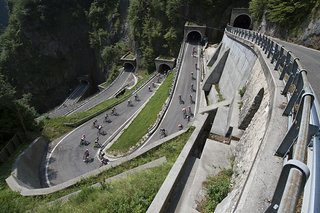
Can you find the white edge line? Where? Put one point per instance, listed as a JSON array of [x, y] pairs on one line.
[[48, 158], [125, 123]]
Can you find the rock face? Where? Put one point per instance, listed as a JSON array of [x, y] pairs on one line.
[[311, 35], [309, 32], [50, 50]]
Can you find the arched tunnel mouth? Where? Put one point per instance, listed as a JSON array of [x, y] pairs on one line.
[[163, 68], [194, 37], [242, 21], [128, 67], [83, 81]]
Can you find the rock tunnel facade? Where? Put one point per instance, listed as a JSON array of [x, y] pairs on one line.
[[128, 67], [241, 18]]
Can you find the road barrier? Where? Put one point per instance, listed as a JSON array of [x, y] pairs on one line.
[[303, 109]]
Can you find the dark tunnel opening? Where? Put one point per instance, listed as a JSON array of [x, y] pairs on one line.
[[163, 68], [194, 37], [242, 21], [128, 67]]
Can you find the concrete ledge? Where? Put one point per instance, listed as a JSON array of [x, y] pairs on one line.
[[161, 200], [214, 106]]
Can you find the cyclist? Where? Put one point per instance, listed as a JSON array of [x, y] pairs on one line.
[[86, 155]]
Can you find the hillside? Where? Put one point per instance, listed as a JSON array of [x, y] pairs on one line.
[[49, 44], [296, 21]]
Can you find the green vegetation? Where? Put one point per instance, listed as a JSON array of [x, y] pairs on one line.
[[16, 115], [220, 96], [144, 120], [240, 104], [112, 75], [289, 13], [217, 189], [55, 127], [13, 202], [242, 91]]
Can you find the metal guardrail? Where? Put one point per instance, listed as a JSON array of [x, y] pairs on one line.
[[303, 131]]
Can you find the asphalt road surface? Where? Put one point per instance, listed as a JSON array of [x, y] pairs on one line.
[[120, 82], [175, 115], [93, 101], [65, 160], [310, 60]]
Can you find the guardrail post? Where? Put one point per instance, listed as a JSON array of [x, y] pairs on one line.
[[278, 197], [265, 43], [286, 67], [288, 84], [270, 49], [280, 59], [267, 46], [253, 36], [276, 53], [296, 127], [297, 178], [298, 83]]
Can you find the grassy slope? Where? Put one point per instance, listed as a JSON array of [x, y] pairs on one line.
[[54, 128], [13, 202], [144, 120]]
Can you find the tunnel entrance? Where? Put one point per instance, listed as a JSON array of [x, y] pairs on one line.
[[163, 68], [194, 37], [128, 67], [242, 21], [82, 81]]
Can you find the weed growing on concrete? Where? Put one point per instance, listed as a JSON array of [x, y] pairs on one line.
[[220, 96], [240, 104], [242, 91], [217, 189]]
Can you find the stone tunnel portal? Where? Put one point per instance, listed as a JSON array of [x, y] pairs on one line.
[[242, 21], [163, 68], [128, 67], [194, 37]]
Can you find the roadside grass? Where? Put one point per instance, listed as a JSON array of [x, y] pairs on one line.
[[146, 118], [13, 202], [132, 194], [217, 189], [53, 128]]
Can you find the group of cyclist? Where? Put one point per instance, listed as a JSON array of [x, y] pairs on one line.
[[83, 141]]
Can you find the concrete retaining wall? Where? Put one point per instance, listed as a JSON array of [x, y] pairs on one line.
[[257, 168], [26, 168], [237, 68], [162, 200]]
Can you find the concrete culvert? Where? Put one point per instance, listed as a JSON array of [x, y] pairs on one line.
[[163, 68], [128, 67], [242, 21], [194, 37]]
